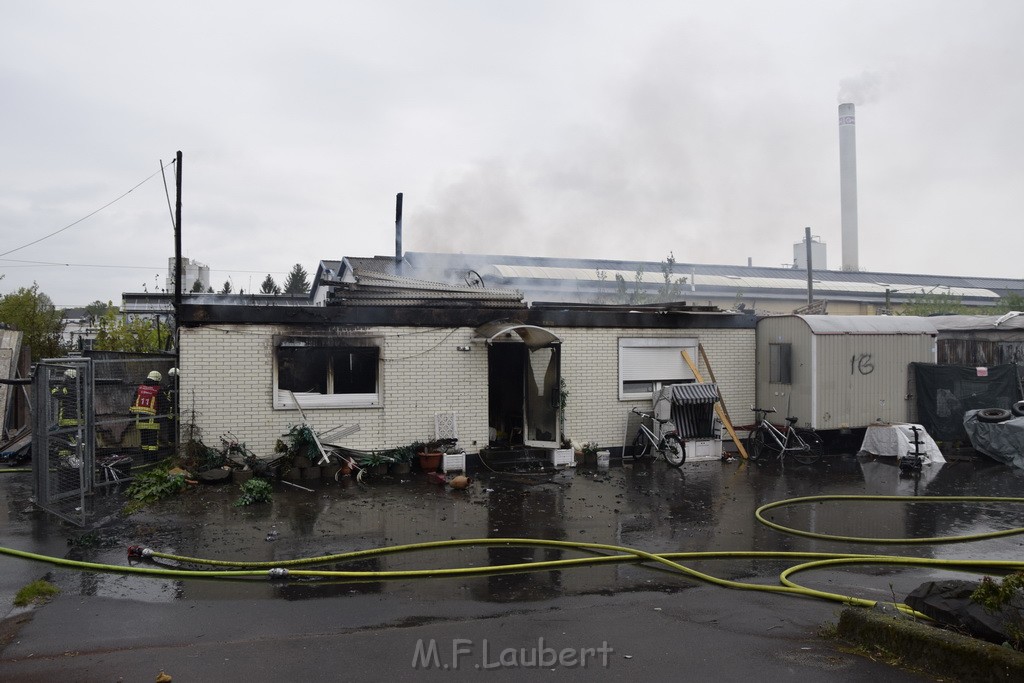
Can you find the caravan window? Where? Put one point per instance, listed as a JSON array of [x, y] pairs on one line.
[[327, 373], [648, 364], [780, 363]]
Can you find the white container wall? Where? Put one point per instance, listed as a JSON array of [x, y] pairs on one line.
[[839, 372]]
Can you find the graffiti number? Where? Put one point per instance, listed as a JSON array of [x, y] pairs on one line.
[[861, 363]]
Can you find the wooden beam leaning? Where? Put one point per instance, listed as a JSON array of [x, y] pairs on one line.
[[720, 405]]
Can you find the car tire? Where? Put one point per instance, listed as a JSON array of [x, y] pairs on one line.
[[994, 415], [1017, 409]]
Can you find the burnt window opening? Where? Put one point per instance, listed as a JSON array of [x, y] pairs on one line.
[[325, 376], [780, 364]]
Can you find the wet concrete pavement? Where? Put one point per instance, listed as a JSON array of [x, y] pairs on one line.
[[111, 626]]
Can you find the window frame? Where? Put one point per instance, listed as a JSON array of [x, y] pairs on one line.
[[282, 399], [780, 363], [660, 367]]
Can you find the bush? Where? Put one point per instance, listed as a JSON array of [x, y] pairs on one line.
[[255, 491], [154, 485]]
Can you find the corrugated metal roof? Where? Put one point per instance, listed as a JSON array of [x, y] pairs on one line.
[[978, 322], [696, 282], [867, 324]]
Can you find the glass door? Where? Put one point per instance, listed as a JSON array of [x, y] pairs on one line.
[[540, 402]]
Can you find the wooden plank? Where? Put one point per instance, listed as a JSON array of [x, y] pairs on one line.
[[10, 349], [711, 373], [719, 407]]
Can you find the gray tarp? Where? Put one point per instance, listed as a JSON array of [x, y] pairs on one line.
[[1002, 441]]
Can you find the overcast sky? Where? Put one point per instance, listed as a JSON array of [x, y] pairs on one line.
[[620, 130]]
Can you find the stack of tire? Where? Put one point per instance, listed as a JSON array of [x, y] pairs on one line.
[[1001, 414]]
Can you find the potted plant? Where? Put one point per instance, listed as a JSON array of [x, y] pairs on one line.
[[401, 460], [375, 464], [429, 454], [590, 454]]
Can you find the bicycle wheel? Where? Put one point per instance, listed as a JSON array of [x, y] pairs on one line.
[[675, 451], [815, 447], [758, 444], [641, 446]]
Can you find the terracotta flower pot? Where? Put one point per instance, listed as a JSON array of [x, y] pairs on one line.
[[430, 461]]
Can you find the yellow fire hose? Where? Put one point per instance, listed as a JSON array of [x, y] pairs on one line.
[[599, 553]]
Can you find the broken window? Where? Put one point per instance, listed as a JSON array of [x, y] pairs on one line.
[[648, 364], [327, 373]]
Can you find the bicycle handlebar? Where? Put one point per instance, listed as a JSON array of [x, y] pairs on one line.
[[648, 415]]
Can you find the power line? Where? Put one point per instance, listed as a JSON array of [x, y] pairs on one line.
[[57, 232], [28, 263]]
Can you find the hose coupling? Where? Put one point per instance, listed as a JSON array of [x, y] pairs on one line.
[[137, 552], [278, 573]]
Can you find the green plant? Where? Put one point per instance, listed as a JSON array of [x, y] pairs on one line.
[[995, 595], [255, 491], [302, 442], [156, 484], [36, 593], [402, 454], [374, 459]]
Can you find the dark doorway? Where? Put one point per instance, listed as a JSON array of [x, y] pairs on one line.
[[505, 374], [523, 392]]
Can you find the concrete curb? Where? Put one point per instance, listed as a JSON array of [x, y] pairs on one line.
[[937, 651]]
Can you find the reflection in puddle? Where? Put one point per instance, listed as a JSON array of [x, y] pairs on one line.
[[703, 506]]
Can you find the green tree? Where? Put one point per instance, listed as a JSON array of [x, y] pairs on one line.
[[197, 286], [226, 289], [297, 282], [269, 286], [1011, 302], [672, 288], [97, 309], [32, 312], [934, 303], [121, 333], [637, 295]]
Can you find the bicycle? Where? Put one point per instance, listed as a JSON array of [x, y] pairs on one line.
[[670, 446], [805, 445]]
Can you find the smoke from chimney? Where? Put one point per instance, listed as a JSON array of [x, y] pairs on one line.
[[848, 185]]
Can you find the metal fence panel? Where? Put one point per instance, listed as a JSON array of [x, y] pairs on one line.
[[63, 453]]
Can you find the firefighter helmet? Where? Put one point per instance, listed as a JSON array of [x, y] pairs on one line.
[[155, 376]]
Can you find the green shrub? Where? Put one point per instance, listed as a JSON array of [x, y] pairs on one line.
[[255, 491], [155, 484]]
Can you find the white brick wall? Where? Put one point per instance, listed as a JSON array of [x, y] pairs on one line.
[[227, 379]]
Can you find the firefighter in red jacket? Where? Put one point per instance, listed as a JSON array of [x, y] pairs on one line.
[[145, 408]]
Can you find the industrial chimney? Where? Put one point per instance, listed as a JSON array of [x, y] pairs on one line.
[[399, 254], [848, 185]]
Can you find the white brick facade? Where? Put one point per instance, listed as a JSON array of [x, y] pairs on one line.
[[227, 378]]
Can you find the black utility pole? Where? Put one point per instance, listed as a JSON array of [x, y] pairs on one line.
[[810, 267], [177, 240], [173, 381]]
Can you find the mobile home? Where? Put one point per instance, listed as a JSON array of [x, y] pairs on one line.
[[838, 372]]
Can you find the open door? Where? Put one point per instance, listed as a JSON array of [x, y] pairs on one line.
[[540, 402], [524, 369]]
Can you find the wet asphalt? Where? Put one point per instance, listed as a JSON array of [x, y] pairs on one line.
[[613, 621]]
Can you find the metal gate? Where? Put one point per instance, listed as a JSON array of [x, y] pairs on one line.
[[63, 443]]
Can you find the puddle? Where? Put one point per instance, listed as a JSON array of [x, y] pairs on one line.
[[647, 505]]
